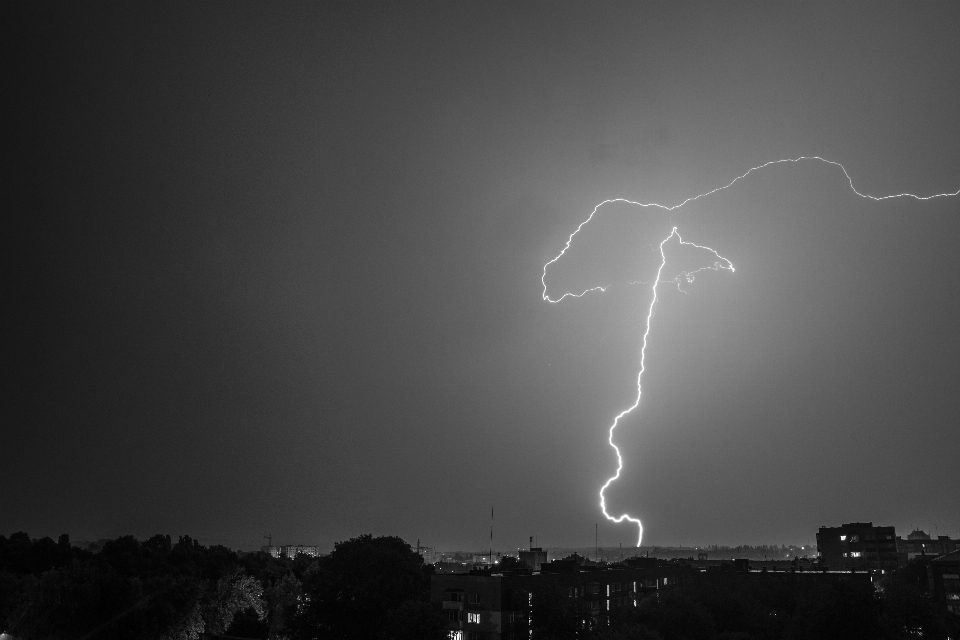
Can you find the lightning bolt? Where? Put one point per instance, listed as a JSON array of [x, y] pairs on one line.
[[720, 263]]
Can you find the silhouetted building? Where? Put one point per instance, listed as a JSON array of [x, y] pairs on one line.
[[533, 558], [484, 606], [858, 545], [291, 551], [945, 578], [919, 543]]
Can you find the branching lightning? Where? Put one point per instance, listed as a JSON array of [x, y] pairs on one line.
[[720, 263]]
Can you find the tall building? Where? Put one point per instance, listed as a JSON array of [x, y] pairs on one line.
[[858, 545]]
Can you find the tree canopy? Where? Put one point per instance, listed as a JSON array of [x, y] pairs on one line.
[[367, 588]]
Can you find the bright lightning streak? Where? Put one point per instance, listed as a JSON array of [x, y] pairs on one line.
[[704, 195], [721, 263]]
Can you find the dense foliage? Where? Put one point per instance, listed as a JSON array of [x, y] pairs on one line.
[[150, 589], [369, 588]]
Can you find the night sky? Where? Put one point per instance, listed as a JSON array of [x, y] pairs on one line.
[[277, 270]]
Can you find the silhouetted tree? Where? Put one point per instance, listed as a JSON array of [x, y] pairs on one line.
[[509, 563], [231, 595], [282, 597], [352, 592]]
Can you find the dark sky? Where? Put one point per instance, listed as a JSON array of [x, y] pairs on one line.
[[277, 270]]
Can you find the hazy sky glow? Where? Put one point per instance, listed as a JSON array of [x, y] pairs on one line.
[[278, 270]]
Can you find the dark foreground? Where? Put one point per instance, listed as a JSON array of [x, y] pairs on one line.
[[379, 589]]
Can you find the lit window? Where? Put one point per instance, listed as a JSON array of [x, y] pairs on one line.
[[854, 554], [842, 538], [473, 618], [608, 591], [455, 635], [845, 554], [854, 538]]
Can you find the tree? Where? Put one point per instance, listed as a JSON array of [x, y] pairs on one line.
[[353, 591], [232, 594], [281, 598], [509, 563]]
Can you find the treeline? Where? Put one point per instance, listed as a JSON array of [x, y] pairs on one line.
[[378, 589], [375, 588]]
